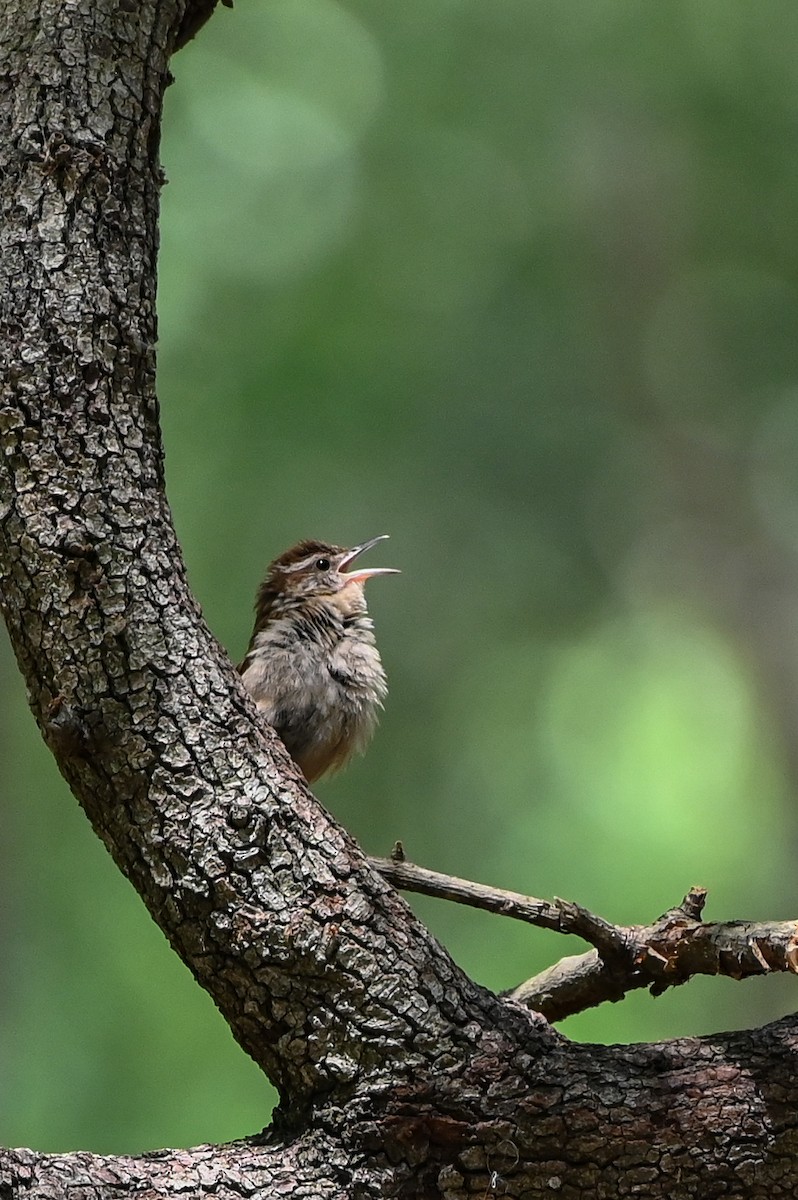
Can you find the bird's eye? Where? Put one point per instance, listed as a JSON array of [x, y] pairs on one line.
[[322, 564]]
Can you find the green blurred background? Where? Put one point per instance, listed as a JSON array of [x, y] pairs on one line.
[[516, 283]]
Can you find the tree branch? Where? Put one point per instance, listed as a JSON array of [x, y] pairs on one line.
[[661, 955], [317, 964], [399, 1076], [245, 1168]]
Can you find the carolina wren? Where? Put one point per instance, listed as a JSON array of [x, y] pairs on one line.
[[312, 665]]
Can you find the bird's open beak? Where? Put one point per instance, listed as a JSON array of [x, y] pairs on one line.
[[368, 572]]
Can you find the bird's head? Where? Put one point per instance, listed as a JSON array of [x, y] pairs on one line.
[[317, 571]]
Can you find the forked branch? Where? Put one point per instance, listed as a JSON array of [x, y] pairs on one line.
[[663, 954]]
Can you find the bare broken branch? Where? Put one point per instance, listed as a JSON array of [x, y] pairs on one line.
[[658, 956], [562, 916]]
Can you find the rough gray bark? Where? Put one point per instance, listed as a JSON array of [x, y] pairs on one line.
[[398, 1075]]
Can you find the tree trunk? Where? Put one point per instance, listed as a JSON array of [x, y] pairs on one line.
[[398, 1075]]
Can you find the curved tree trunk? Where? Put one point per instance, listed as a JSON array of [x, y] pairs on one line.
[[398, 1075]]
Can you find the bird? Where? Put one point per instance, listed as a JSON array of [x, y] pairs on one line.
[[312, 665]]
